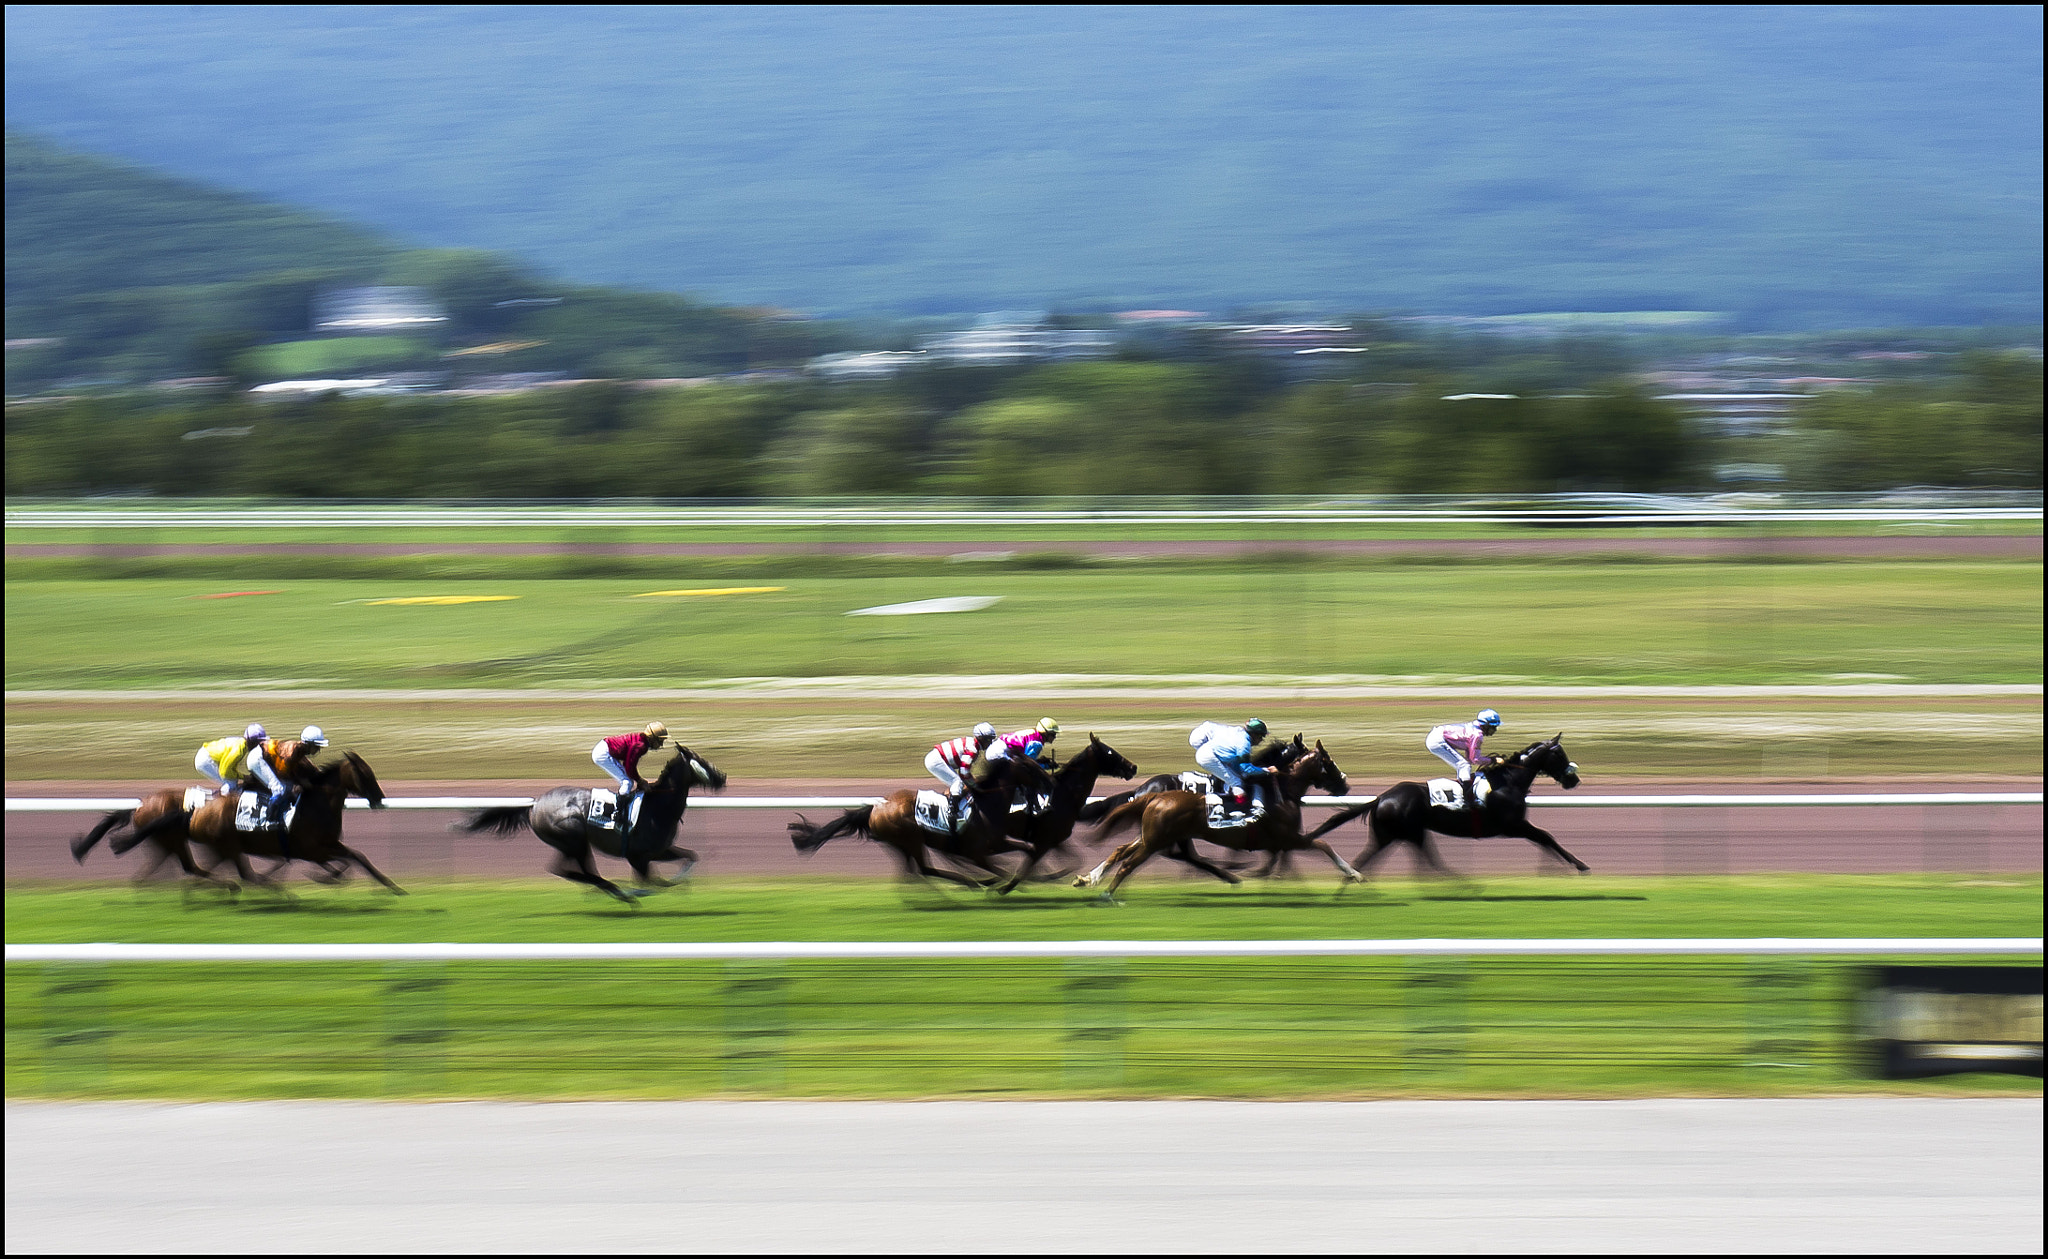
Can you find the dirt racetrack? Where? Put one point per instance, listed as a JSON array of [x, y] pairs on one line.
[[1654, 840]]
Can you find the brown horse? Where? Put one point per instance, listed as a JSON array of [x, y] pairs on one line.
[[314, 833], [1172, 820], [162, 821], [893, 821]]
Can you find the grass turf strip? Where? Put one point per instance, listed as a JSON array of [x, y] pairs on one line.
[[1223, 1027]]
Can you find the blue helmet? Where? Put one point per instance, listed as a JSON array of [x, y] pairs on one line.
[[1487, 720]]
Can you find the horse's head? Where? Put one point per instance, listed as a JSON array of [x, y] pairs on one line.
[[1106, 759], [360, 781], [1315, 768], [1549, 757], [686, 769]]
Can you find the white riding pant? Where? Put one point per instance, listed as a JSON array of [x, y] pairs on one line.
[[942, 771], [602, 756], [204, 764], [1450, 756], [1226, 769]]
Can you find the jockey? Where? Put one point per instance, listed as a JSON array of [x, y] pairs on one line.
[[1033, 745], [232, 762], [1458, 745], [950, 761], [1225, 751], [620, 756]]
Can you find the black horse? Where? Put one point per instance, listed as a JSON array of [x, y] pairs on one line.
[[1402, 814], [561, 818], [1050, 827]]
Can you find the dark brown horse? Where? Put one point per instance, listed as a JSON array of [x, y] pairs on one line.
[[893, 821], [1170, 821], [1050, 827], [162, 821], [1402, 814], [314, 833]]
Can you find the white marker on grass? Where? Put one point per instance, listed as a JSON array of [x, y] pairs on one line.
[[968, 603]]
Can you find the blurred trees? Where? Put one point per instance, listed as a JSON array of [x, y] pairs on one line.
[[1982, 428]]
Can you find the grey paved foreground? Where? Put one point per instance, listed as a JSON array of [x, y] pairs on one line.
[[1804, 1176]]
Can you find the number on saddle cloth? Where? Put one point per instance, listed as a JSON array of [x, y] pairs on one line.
[[604, 810], [251, 814], [934, 813], [1449, 793]]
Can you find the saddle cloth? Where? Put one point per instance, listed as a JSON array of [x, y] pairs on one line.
[[1446, 793], [1200, 783], [249, 814], [197, 798], [1221, 818], [932, 810], [604, 809]]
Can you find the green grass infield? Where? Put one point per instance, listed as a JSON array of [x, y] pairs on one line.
[[1275, 1028]]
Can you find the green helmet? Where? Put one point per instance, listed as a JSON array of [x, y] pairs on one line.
[[1255, 728]]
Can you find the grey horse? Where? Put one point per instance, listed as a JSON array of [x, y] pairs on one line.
[[560, 818]]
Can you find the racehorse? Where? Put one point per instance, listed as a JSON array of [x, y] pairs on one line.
[[893, 821], [1402, 814], [1174, 819], [561, 819], [1049, 828], [314, 833], [1273, 756], [161, 820]]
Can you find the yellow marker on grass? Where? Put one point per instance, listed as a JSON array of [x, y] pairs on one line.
[[719, 590], [446, 599]]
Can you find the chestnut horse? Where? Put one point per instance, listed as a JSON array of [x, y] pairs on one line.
[[893, 821], [1172, 820]]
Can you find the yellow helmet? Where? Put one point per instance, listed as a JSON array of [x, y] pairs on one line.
[[656, 732], [1047, 726]]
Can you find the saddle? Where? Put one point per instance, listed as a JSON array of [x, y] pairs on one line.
[[197, 798], [604, 810], [251, 816], [934, 813]]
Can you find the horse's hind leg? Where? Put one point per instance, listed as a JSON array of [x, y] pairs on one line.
[[581, 868]]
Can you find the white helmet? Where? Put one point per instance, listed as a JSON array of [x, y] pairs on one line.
[[255, 732], [984, 732], [313, 735]]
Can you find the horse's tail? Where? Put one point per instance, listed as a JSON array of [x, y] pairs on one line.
[[499, 821], [809, 837], [83, 844], [1120, 819], [1340, 817], [1095, 810], [148, 830]]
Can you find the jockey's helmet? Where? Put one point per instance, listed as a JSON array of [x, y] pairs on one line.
[[1487, 720], [1049, 728], [313, 735], [1255, 728], [984, 733], [255, 733], [656, 733]]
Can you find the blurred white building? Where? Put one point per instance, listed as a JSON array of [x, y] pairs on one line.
[[377, 309]]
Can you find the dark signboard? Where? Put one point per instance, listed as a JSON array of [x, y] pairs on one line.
[[1940, 1020]]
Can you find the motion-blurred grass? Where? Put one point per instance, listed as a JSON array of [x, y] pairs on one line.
[[1234, 1028], [1558, 623]]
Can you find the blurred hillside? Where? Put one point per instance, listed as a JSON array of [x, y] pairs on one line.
[[120, 274], [1794, 167]]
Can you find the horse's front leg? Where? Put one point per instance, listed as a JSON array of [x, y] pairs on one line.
[[1547, 842]]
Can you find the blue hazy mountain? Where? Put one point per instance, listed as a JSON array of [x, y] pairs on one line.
[[1795, 166]]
